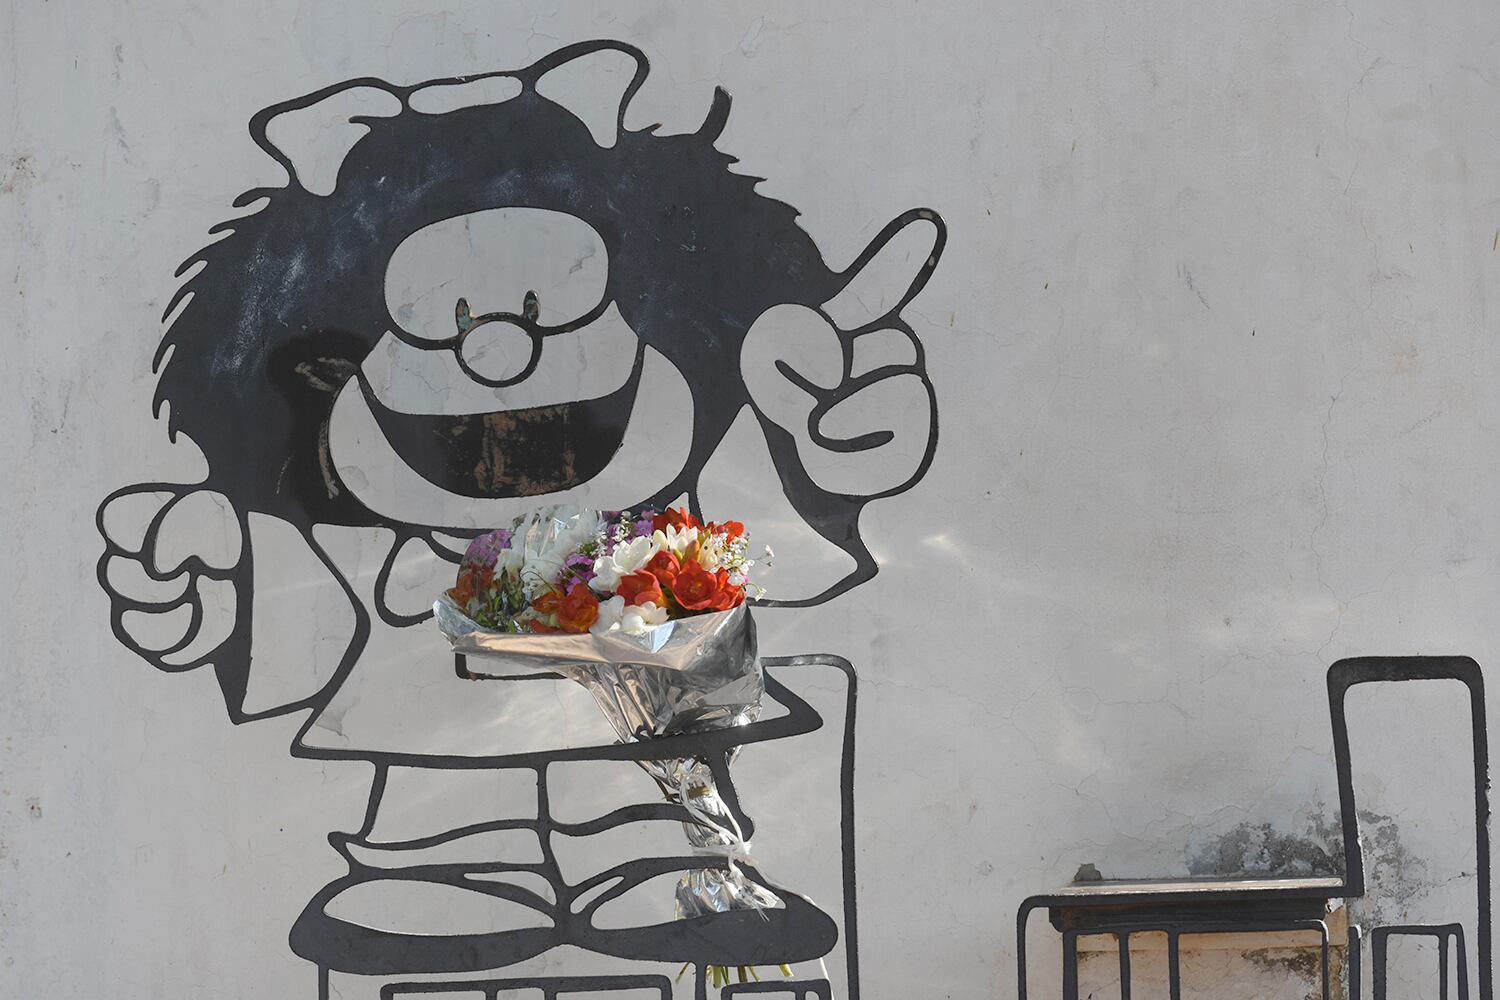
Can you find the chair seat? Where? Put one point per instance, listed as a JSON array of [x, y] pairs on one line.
[[1108, 892], [1205, 902]]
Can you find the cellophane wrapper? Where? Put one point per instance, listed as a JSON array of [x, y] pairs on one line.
[[688, 675]]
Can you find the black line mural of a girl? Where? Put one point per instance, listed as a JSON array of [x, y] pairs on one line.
[[491, 298]]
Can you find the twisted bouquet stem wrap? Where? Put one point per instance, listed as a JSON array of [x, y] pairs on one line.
[[689, 675]]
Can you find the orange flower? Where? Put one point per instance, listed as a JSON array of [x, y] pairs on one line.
[[462, 592], [638, 588], [679, 518], [580, 609], [547, 603], [732, 529], [664, 566], [695, 588], [473, 581]]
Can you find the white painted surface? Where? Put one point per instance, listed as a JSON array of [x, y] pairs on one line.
[[1213, 346]]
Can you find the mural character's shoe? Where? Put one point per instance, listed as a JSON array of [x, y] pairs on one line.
[[436, 919], [795, 931]]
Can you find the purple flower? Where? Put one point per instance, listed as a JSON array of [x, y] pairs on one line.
[[580, 566], [642, 528], [484, 550]]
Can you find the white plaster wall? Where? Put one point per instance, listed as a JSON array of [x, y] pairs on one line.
[[1214, 352]]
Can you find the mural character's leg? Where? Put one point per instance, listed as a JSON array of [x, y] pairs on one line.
[[437, 882]]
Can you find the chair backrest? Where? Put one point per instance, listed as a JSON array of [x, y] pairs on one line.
[[1367, 669]]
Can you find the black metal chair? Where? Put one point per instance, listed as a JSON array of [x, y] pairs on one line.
[[1255, 905], [1344, 675]]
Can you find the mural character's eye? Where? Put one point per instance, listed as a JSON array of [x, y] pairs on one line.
[[500, 260]]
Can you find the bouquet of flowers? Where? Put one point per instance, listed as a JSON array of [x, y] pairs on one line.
[[647, 611], [566, 570]]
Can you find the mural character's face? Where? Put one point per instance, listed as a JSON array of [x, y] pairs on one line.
[[510, 379]]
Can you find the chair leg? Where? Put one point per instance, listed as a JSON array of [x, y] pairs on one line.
[[1070, 965], [1463, 964], [1174, 966], [1377, 959], [1124, 939], [1353, 990], [1442, 967], [1023, 915], [1323, 954]]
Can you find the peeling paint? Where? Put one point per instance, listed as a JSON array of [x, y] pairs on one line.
[[1303, 965], [1394, 876], [1261, 849]]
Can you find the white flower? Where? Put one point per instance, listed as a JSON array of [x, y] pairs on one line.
[[638, 618], [711, 553], [674, 539], [610, 613], [615, 616], [546, 538], [508, 560], [624, 559]]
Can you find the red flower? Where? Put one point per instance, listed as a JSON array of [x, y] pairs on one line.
[[679, 518], [579, 610], [638, 588], [664, 566], [731, 529], [695, 588], [729, 596]]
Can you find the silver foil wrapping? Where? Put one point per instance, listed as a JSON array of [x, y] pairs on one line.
[[690, 675]]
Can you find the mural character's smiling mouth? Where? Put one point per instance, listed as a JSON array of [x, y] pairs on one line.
[[603, 421], [520, 452]]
